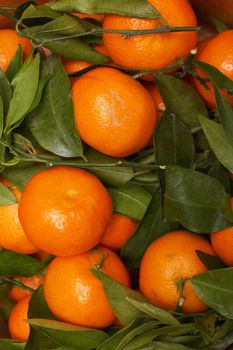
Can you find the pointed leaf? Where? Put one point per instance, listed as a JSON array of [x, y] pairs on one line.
[[5, 91], [1, 117], [6, 196], [15, 64], [210, 261], [225, 111]]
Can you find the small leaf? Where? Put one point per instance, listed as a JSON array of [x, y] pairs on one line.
[[195, 200], [139, 8], [219, 140], [15, 64], [24, 96], [5, 91], [14, 264], [182, 100], [225, 111], [131, 200], [52, 122], [6, 196], [215, 288], [210, 261]]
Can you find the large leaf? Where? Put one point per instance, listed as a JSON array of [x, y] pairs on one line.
[[5, 91], [52, 122], [131, 200], [195, 200], [215, 288], [219, 140], [6, 196], [137, 8], [152, 226], [182, 100], [14, 264]]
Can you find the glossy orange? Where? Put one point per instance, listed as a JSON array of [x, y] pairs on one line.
[[18, 328], [152, 51], [114, 113], [64, 211], [75, 295], [167, 259], [72, 66]]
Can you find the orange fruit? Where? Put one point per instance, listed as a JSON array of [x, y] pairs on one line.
[[64, 211], [12, 235], [218, 53], [17, 294], [157, 98], [86, 16], [120, 228], [9, 41], [154, 51], [41, 255], [75, 295], [72, 66], [101, 49], [18, 327], [167, 259], [114, 113], [222, 243]]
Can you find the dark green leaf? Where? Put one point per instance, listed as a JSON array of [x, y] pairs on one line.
[[220, 26], [215, 288], [159, 345], [24, 96], [152, 226], [210, 261], [15, 64], [112, 176], [6, 196], [1, 116], [206, 324], [219, 140], [131, 200], [139, 8], [182, 100], [5, 91], [195, 200], [35, 12], [41, 85], [52, 122], [38, 307], [219, 172], [225, 111], [170, 137], [9, 344], [14, 264]]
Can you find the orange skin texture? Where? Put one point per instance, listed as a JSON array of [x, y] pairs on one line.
[[167, 259], [222, 243], [9, 41], [120, 228], [219, 53], [72, 66], [75, 295], [114, 113], [12, 235], [18, 328], [16, 294], [64, 210], [154, 51]]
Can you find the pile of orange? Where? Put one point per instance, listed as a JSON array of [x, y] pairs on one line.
[[68, 212]]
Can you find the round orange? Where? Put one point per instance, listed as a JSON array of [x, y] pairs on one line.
[[169, 258], [120, 228], [73, 66], [154, 51], [75, 295], [12, 236], [16, 294], [218, 52], [18, 328], [9, 41], [64, 210], [114, 113]]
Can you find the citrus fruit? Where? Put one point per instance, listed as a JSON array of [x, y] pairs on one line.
[[72, 66], [12, 235], [154, 51], [168, 259], [18, 327], [75, 295], [9, 41], [120, 228], [64, 210], [114, 113], [17, 293]]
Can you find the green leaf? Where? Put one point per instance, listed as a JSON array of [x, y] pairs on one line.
[[151, 227], [14, 264], [210, 261], [52, 122], [182, 100], [24, 96], [217, 171], [6, 196], [38, 307], [41, 85], [5, 91], [68, 336], [215, 288], [15, 64], [220, 26], [137, 8], [1, 116], [225, 111], [154, 312], [195, 200], [219, 140], [112, 176], [170, 137], [131, 200], [9, 344]]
